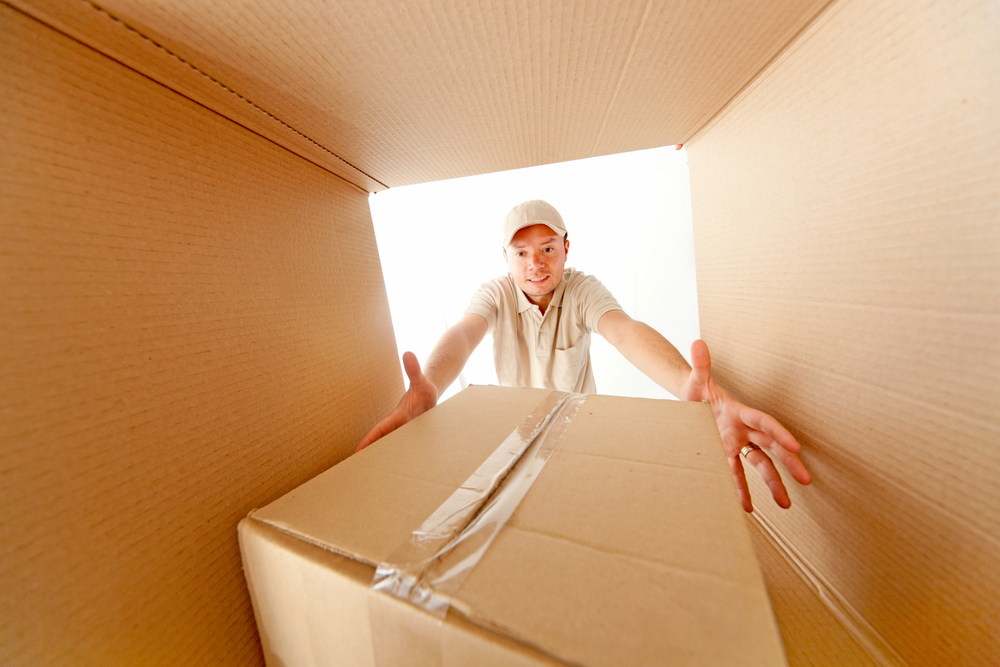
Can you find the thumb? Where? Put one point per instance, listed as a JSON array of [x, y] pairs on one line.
[[412, 367], [701, 360]]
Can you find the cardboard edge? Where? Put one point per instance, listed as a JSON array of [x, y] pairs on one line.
[[459, 637], [319, 544], [850, 619], [783, 54], [243, 529], [99, 29]]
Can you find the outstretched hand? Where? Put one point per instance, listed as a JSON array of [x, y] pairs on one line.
[[740, 425], [421, 396]]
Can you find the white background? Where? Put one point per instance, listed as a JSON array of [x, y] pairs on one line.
[[629, 223]]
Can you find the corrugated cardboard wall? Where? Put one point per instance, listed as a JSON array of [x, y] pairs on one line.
[[194, 323], [847, 227], [395, 92]]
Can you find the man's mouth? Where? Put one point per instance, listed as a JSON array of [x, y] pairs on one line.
[[536, 281]]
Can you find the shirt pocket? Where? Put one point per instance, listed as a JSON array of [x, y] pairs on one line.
[[568, 366]]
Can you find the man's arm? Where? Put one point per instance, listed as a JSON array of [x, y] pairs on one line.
[[445, 362], [646, 349], [739, 424]]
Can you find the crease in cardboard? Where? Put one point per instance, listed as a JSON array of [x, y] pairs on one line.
[[636, 559], [644, 462], [393, 473], [507, 631], [429, 569], [780, 55], [100, 9], [867, 637]]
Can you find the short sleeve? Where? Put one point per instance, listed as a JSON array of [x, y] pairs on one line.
[[594, 300], [486, 302]]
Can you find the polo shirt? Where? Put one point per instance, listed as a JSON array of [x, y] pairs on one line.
[[550, 351]]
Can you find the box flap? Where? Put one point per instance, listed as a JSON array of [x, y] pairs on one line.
[[630, 547], [389, 94], [367, 505]]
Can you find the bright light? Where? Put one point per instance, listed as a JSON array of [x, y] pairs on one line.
[[629, 222]]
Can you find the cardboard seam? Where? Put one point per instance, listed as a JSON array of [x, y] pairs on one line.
[[850, 619], [208, 108], [396, 576], [501, 483], [210, 78], [253, 104], [763, 71]]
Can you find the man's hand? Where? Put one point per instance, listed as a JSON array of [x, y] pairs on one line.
[[418, 399], [740, 425], [445, 362]]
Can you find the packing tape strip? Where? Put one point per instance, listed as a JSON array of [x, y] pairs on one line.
[[447, 574], [430, 567]]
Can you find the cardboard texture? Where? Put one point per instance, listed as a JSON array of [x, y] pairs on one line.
[[393, 93], [628, 548], [195, 323], [847, 225]]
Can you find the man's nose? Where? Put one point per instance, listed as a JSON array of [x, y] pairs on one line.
[[537, 261]]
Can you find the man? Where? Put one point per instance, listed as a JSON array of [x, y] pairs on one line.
[[542, 314]]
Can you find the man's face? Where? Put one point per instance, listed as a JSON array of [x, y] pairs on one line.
[[536, 258]]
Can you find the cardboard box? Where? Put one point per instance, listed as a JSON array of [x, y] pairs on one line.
[[629, 548], [194, 322]]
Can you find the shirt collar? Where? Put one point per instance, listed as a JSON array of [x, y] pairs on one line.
[[524, 304]]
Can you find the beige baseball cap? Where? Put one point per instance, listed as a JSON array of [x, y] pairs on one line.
[[534, 212]]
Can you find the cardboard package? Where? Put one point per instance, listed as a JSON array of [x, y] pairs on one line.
[[628, 547]]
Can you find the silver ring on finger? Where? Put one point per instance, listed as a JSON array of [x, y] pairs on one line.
[[749, 447]]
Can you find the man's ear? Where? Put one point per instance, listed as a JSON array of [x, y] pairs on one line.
[[504, 251], [567, 247]]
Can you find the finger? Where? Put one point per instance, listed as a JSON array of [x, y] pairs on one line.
[[395, 419], [375, 434], [369, 439], [765, 468], [372, 436], [732, 442], [701, 360], [736, 466], [412, 367], [790, 460], [783, 444], [378, 432], [761, 421]]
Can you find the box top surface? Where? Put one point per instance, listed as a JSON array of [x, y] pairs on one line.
[[629, 546]]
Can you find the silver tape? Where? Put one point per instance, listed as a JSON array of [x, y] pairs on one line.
[[430, 567]]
